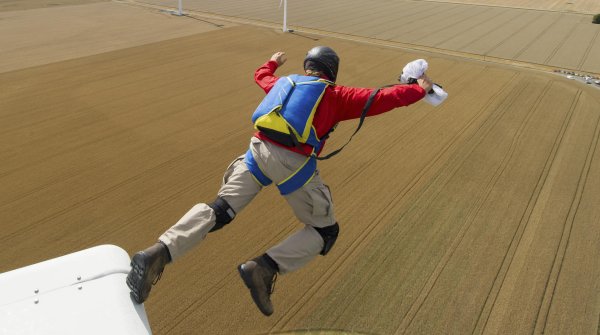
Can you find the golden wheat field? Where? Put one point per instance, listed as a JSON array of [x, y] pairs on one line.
[[479, 216]]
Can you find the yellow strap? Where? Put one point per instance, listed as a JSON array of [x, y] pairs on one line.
[[300, 168]]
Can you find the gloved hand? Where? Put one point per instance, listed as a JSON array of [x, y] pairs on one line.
[[413, 71]]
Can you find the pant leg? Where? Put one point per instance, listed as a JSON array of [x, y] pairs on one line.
[[312, 204], [238, 189]]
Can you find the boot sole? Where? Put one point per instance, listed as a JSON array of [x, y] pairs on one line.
[[248, 282], [136, 276]]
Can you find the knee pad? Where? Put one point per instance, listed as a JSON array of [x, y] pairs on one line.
[[329, 234], [223, 212]]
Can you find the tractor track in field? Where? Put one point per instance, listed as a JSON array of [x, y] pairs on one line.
[[487, 202]]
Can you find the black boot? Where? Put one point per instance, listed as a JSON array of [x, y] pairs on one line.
[[146, 268], [259, 275]]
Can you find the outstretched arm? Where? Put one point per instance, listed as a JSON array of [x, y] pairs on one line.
[[352, 99]]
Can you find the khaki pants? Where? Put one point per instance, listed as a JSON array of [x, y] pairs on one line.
[[312, 205]]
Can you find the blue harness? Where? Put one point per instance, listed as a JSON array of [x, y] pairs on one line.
[[285, 115], [295, 181]]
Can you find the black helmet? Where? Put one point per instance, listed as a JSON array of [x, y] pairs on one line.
[[324, 60]]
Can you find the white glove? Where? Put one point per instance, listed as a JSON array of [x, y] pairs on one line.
[[414, 69]]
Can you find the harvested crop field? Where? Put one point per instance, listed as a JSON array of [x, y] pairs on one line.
[[564, 40], [16, 5], [84, 30], [478, 216], [579, 6]]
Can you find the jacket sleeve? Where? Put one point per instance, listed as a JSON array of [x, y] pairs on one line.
[[265, 75], [352, 100]]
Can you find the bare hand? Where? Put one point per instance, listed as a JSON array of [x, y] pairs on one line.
[[279, 57], [425, 83]]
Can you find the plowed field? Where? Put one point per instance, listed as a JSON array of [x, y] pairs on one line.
[[478, 216], [580, 6], [507, 32]]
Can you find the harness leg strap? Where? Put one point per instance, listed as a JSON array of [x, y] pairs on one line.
[[223, 212]]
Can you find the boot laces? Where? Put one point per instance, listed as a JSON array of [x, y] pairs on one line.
[[157, 278]]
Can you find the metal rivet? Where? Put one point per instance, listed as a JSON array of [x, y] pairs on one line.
[[36, 301], [36, 291], [80, 287], [78, 277]]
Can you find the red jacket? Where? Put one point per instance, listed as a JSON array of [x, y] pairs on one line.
[[341, 102]]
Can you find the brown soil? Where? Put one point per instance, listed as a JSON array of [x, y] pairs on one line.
[[13, 5], [478, 216], [497, 31]]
